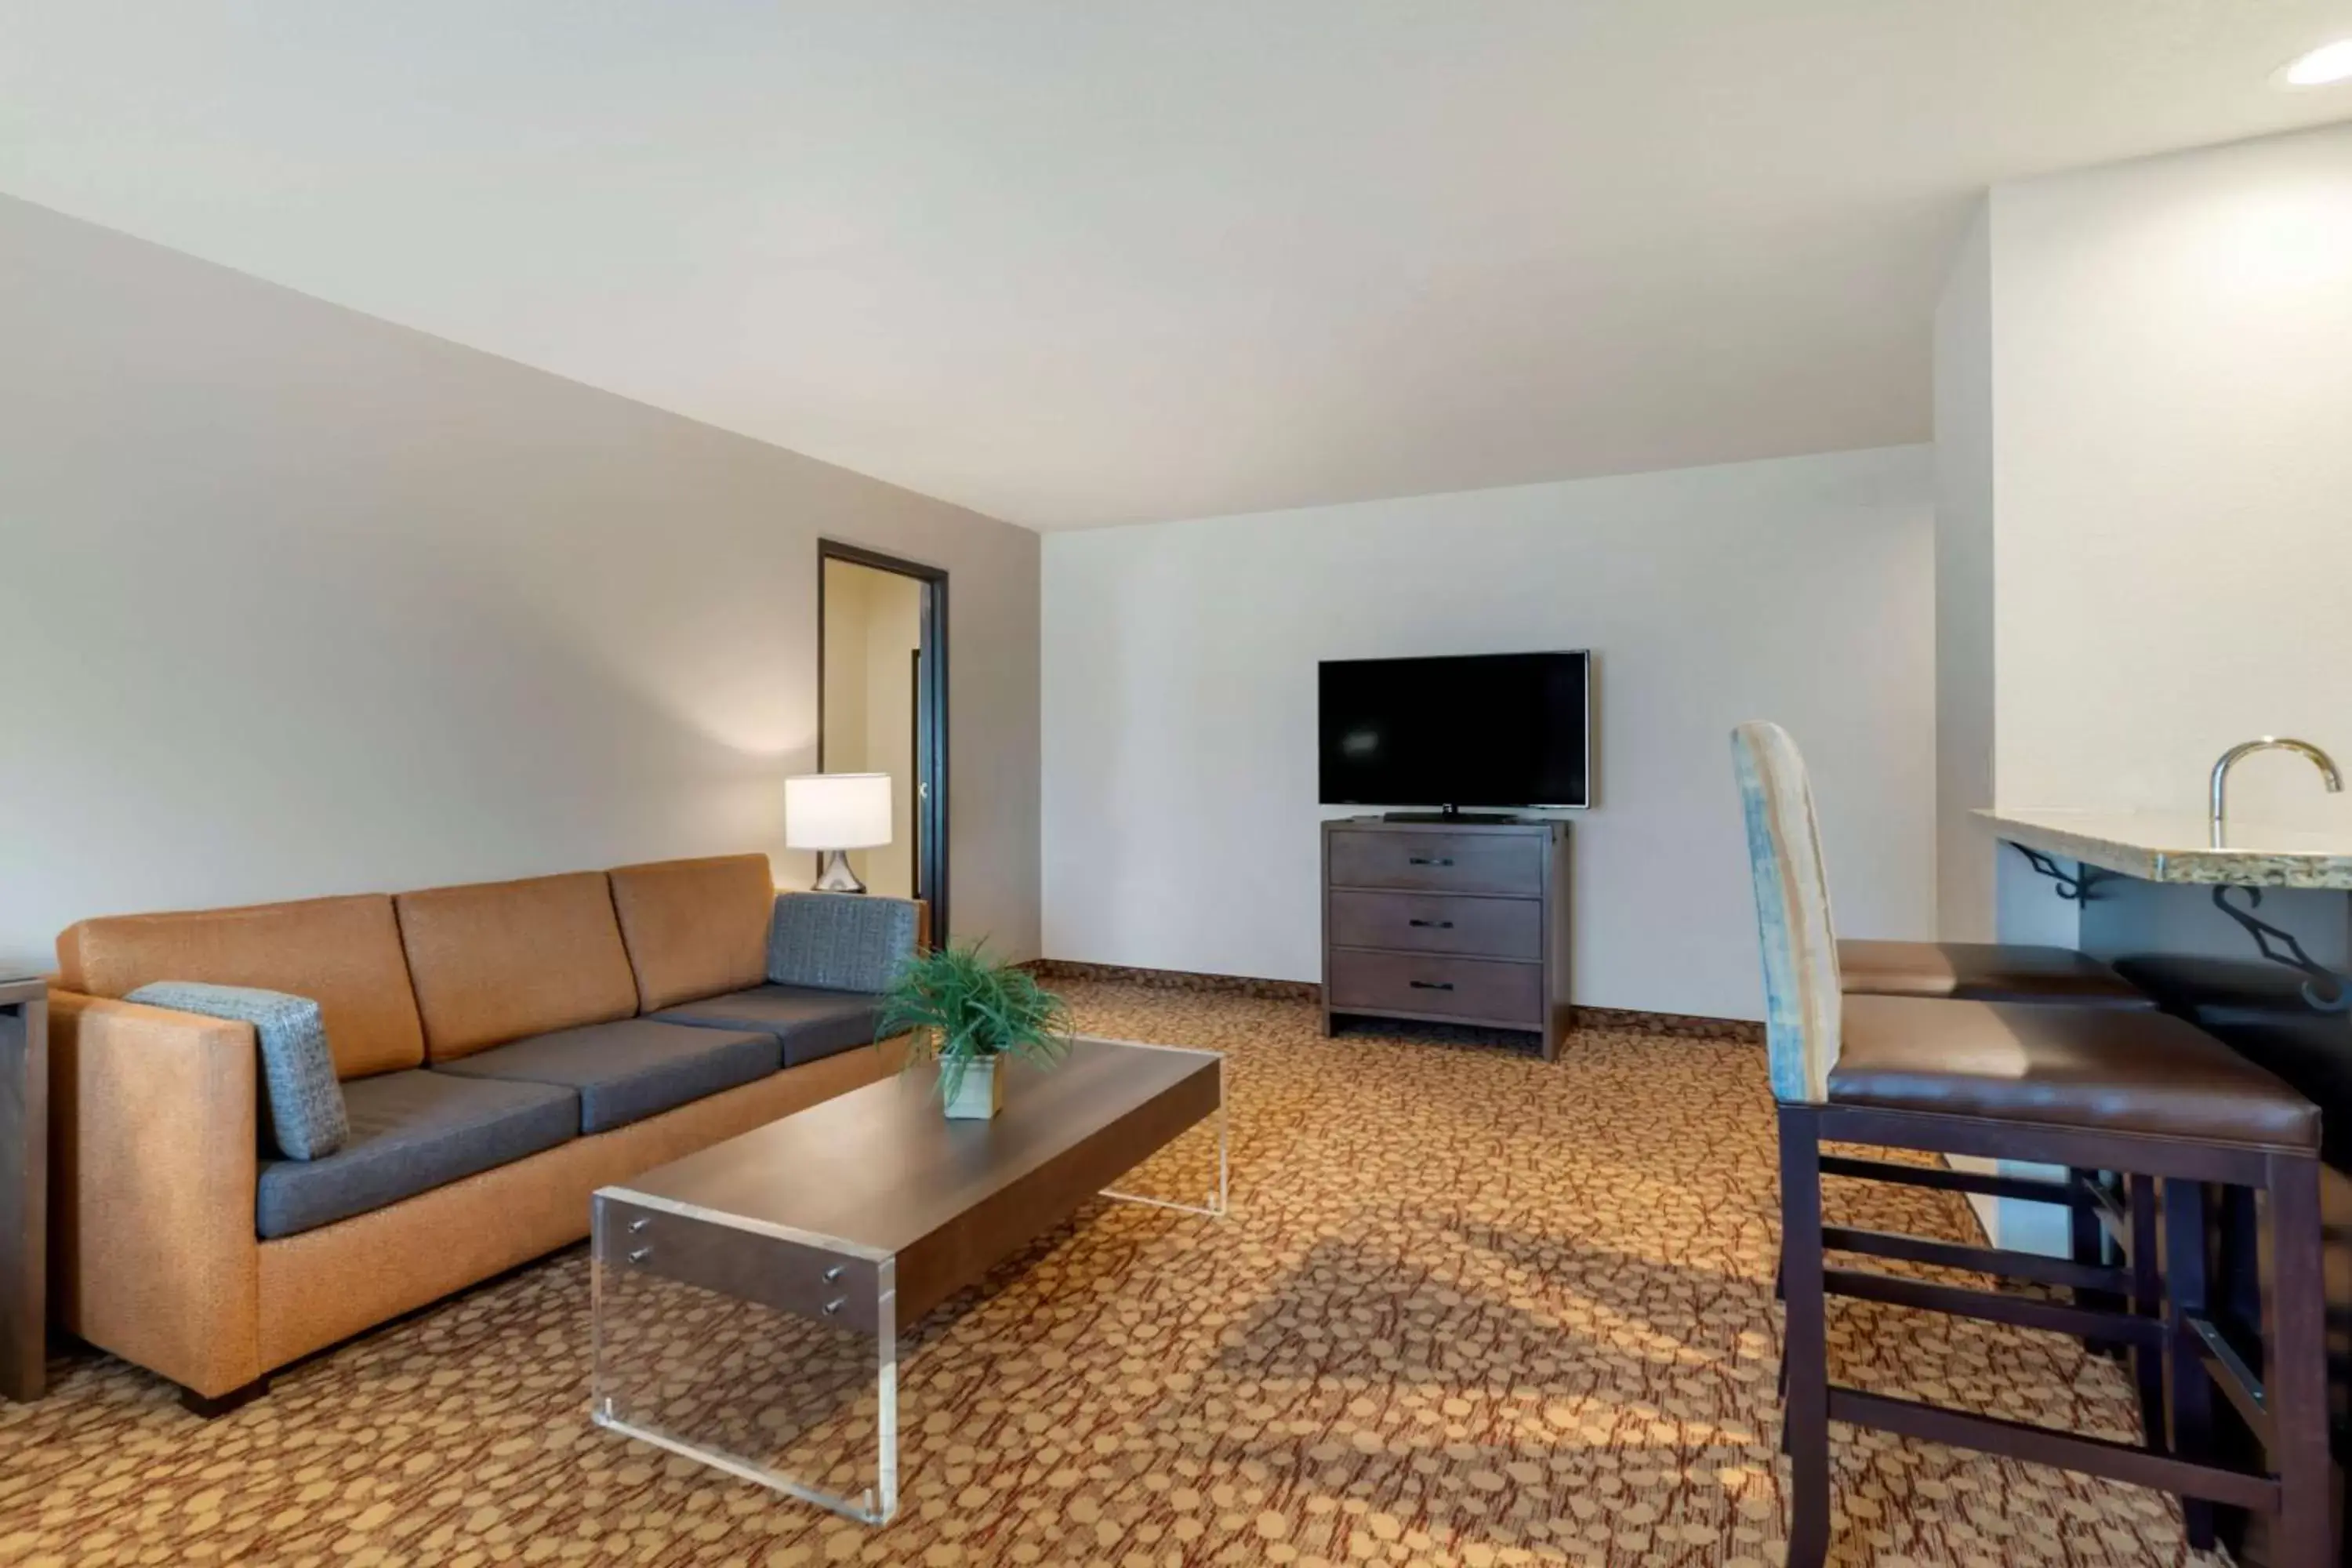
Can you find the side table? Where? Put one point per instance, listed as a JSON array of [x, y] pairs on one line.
[[24, 1187]]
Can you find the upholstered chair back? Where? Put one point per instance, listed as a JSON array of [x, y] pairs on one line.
[[1792, 911]]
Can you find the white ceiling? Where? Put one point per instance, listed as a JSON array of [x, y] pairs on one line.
[[1101, 260]]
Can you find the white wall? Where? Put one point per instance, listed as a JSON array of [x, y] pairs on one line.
[[1180, 658], [1964, 609], [2142, 395], [298, 602], [2173, 372]]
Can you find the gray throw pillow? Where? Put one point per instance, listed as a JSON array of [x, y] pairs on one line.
[[840, 941], [307, 1117]]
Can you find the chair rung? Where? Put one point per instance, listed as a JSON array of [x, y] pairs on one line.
[[2034, 1266], [2126, 1462], [1991, 1306], [1943, 1179], [2113, 1216], [2233, 1377]]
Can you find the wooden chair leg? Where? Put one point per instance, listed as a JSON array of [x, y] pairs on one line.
[[2086, 1241], [1805, 1409], [1780, 1383], [2147, 1301], [2190, 1401], [2083, 1231], [2294, 1374]]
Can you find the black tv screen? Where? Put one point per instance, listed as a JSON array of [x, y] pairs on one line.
[[1487, 730]]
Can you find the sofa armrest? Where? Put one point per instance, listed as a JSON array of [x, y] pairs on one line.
[[841, 941], [153, 1140]]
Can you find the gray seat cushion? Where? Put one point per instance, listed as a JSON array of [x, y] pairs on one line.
[[410, 1133], [811, 1024], [628, 1070]]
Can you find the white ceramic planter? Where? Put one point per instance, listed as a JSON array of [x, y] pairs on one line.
[[980, 1094]]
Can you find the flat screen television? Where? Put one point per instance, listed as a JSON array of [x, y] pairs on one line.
[[1484, 729]]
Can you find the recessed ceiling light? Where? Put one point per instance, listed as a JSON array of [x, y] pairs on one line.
[[2328, 63]]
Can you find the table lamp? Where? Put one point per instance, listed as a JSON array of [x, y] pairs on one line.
[[833, 814]]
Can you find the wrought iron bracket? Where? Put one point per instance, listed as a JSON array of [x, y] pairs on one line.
[[2073, 886], [2281, 947]]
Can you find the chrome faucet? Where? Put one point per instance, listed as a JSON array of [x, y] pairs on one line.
[[2231, 758]]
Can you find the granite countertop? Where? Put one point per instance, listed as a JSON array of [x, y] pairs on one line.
[[2178, 847]]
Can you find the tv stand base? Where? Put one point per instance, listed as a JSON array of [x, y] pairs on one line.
[[1447, 919]]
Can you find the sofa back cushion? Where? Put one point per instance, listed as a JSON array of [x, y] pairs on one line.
[[344, 953], [843, 942], [695, 928], [308, 1116], [493, 962]]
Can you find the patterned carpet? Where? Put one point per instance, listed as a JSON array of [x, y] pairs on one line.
[[1468, 1309]]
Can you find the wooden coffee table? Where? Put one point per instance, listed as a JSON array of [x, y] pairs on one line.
[[748, 1298]]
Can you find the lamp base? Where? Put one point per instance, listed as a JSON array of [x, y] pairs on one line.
[[833, 874]]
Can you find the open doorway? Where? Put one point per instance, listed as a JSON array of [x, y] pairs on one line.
[[882, 708]]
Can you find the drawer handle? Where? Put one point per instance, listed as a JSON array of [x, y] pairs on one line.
[[641, 1254], [1431, 861], [1434, 925], [833, 1275], [833, 1309], [637, 1225], [1433, 985]]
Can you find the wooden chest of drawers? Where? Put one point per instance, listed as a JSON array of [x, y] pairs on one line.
[[1447, 922]]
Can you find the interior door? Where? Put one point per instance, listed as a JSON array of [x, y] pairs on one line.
[[883, 707]]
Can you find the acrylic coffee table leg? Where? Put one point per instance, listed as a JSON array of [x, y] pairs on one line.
[[1214, 1201], [707, 1347]]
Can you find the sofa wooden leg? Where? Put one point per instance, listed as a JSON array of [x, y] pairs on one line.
[[213, 1405]]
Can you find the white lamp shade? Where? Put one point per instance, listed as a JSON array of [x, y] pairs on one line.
[[837, 810]]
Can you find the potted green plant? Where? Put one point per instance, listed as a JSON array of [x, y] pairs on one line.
[[967, 1012]]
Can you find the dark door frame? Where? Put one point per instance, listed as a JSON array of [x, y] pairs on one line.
[[931, 815]]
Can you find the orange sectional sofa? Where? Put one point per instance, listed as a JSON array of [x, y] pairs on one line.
[[167, 1249]]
